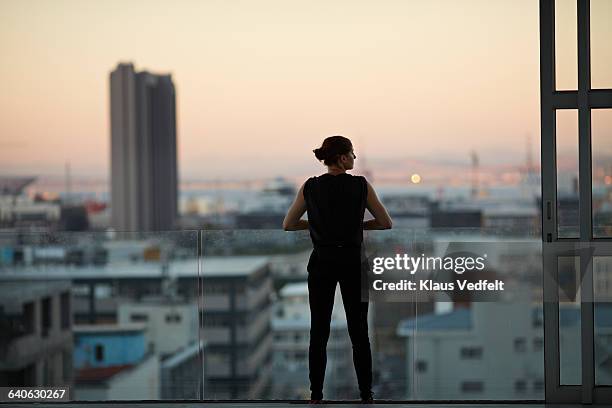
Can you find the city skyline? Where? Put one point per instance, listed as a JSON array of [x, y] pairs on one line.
[[259, 86]]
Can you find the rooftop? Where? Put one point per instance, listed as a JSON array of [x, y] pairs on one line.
[[109, 328], [295, 289], [14, 185], [212, 267], [182, 355], [458, 319], [302, 323], [98, 374], [461, 319]]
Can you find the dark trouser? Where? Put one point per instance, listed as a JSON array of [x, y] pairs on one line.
[[326, 268]]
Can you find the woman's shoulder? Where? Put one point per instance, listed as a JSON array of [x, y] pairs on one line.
[[308, 182], [361, 179]]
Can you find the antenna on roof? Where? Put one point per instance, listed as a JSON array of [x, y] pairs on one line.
[[68, 185], [474, 157]]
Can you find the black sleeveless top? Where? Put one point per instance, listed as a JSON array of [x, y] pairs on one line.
[[335, 207]]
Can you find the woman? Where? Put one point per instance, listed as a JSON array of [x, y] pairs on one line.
[[336, 202]]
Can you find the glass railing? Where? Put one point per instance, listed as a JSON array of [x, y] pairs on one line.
[[224, 314], [113, 316]]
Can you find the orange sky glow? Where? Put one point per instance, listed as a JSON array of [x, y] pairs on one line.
[[260, 83]]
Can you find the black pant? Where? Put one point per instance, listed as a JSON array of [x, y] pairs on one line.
[[326, 268]]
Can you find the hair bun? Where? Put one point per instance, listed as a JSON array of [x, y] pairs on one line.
[[320, 154], [332, 148]]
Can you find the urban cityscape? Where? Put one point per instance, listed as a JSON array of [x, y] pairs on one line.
[[138, 297], [147, 282]]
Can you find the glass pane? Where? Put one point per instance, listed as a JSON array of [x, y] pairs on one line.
[[601, 52], [602, 279], [256, 320], [567, 174], [570, 354], [566, 45], [115, 314], [466, 348], [398, 369], [601, 136]]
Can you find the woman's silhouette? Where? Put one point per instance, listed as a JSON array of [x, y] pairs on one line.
[[335, 203]]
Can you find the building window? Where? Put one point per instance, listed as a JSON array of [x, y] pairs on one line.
[[538, 385], [66, 366], [139, 317], [520, 386], [215, 321], [46, 371], [22, 378], [334, 335], [28, 318], [537, 318], [538, 344], [471, 353], [421, 366], [99, 352], [520, 344], [173, 318], [65, 310], [216, 288], [46, 316], [472, 386]]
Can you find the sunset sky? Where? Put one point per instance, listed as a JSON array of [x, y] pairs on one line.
[[260, 83]]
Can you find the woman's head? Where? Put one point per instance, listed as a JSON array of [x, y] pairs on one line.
[[336, 151]]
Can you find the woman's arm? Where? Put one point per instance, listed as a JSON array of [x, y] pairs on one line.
[[292, 221], [381, 217]]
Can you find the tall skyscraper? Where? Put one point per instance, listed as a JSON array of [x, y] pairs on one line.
[[143, 150]]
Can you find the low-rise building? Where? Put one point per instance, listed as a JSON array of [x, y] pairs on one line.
[[495, 350], [170, 324], [183, 374], [112, 363], [35, 333]]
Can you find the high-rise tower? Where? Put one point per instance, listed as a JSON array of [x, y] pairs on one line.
[[143, 150]]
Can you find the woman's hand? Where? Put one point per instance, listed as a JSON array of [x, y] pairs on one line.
[[292, 221]]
